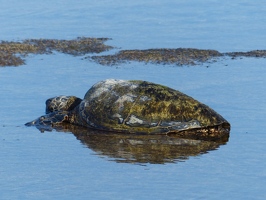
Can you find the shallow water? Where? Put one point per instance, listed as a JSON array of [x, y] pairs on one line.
[[55, 165]]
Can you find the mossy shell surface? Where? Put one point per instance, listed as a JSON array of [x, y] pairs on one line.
[[141, 107]]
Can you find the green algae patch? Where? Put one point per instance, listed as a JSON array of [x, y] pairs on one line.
[[13, 53], [179, 56]]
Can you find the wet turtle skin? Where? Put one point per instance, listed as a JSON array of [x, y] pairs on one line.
[[136, 107]]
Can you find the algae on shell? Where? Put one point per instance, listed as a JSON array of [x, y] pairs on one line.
[[140, 106]]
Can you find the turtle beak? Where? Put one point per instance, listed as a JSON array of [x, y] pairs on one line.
[[32, 123], [39, 121]]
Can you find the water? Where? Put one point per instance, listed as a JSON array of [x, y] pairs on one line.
[[56, 165]]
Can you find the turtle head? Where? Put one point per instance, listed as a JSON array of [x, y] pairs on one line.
[[61, 103], [58, 110], [49, 121]]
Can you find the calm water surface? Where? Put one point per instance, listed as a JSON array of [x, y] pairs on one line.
[[59, 165]]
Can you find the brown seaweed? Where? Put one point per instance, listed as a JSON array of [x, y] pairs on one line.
[[12, 53], [180, 56]]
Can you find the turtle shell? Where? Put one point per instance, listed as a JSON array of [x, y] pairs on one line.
[[142, 107]]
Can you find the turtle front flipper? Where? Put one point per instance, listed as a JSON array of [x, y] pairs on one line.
[[49, 121]]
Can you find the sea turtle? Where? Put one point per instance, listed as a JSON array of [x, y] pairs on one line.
[[134, 106]]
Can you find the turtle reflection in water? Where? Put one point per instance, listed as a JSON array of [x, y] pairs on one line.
[[140, 149], [135, 107]]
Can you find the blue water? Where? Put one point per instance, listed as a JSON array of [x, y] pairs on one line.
[[55, 165]]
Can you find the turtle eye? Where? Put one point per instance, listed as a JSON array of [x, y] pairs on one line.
[[65, 118]]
